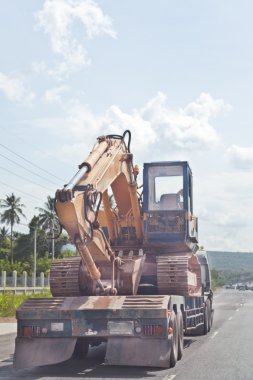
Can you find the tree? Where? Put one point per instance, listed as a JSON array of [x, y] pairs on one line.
[[4, 243], [12, 214], [49, 220], [4, 235]]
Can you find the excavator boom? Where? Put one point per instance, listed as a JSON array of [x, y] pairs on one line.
[[109, 166]]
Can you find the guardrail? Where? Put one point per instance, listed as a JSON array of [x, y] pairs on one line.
[[23, 284], [23, 290]]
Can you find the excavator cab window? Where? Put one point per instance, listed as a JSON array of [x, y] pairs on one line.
[[165, 188], [168, 203]]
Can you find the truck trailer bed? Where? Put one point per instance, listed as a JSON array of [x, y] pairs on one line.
[[135, 328]]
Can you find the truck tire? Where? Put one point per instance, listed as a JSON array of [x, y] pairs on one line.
[[212, 312], [81, 349], [209, 315], [174, 339], [203, 329], [205, 326], [180, 335]]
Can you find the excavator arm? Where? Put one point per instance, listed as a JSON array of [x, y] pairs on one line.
[[79, 203]]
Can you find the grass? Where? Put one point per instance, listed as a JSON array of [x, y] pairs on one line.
[[9, 302]]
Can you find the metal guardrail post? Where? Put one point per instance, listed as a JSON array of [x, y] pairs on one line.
[[24, 287], [24, 280], [3, 279], [42, 280], [33, 281], [14, 280]]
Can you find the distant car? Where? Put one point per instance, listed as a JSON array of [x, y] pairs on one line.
[[242, 287], [229, 286]]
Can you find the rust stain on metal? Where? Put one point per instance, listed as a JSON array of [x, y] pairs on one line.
[[102, 303]]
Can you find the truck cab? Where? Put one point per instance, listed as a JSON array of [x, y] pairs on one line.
[[168, 205]]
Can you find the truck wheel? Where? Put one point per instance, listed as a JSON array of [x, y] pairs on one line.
[[209, 315], [212, 312], [81, 349], [203, 329], [180, 335], [174, 340]]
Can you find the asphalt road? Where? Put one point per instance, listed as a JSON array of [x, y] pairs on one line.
[[225, 353]]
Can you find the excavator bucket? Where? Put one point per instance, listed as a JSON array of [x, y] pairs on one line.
[[130, 274]]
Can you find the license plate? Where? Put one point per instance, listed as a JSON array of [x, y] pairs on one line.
[[57, 326], [121, 328]]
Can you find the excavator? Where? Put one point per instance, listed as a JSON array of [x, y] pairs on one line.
[[140, 281]]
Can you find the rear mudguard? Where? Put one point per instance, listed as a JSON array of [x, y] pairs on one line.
[[138, 352], [119, 351], [32, 352]]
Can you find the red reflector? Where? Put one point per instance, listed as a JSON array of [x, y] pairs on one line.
[[159, 330], [27, 331], [153, 330]]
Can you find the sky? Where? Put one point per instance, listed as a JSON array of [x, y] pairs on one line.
[[178, 74]]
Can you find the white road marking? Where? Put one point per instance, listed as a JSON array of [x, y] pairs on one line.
[[230, 318], [214, 334], [170, 377], [237, 309]]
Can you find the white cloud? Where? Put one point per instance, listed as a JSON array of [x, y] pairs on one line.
[[240, 157], [222, 201], [60, 18], [38, 67], [14, 89], [157, 129], [54, 95], [206, 107], [74, 154], [186, 128]]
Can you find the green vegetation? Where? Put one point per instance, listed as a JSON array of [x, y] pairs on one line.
[[232, 261], [220, 277], [9, 302], [230, 267], [17, 249], [11, 215]]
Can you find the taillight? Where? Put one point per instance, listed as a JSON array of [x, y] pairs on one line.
[[27, 331], [152, 330], [30, 331]]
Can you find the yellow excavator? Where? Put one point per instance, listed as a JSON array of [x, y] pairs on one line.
[[140, 281]]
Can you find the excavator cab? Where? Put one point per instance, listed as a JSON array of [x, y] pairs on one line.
[[168, 205]]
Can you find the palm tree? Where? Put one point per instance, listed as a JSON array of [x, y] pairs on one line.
[[4, 243], [11, 215], [49, 220], [34, 224], [4, 235]]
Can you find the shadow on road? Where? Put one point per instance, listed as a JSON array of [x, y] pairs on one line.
[[188, 342]]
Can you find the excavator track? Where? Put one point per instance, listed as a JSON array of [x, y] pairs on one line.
[[174, 276], [64, 277]]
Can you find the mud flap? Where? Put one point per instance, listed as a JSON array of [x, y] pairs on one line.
[[138, 352], [42, 351]]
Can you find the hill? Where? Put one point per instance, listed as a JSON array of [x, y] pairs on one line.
[[231, 261]]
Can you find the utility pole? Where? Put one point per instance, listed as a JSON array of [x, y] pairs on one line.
[[53, 243], [34, 257]]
